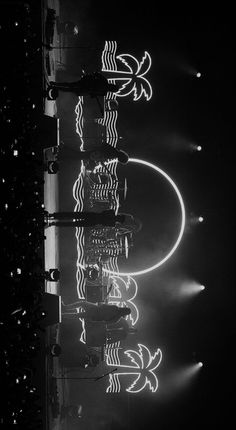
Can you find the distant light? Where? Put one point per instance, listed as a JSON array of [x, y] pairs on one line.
[[200, 364], [203, 287], [76, 30], [6, 206], [200, 219], [15, 152], [193, 147], [18, 270], [16, 24], [198, 74]]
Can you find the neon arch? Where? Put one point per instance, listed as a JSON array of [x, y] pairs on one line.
[[182, 224]]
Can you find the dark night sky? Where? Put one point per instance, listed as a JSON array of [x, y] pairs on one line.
[[183, 109]]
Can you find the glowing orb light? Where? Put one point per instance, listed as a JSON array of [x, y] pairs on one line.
[[182, 223], [198, 74]]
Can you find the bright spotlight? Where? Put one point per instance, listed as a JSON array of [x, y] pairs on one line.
[[200, 219], [198, 74], [200, 364], [180, 377], [189, 289], [194, 147], [203, 287]]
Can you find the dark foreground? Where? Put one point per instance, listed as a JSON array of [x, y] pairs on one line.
[[22, 234]]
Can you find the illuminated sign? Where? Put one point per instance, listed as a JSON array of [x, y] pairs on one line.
[[182, 223], [123, 294], [79, 121], [142, 369], [136, 369], [131, 77]]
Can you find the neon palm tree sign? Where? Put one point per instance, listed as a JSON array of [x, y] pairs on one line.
[[131, 76], [142, 368]]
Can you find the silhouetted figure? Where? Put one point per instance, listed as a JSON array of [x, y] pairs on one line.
[[92, 312], [86, 219], [119, 331], [91, 84], [99, 154], [74, 411], [103, 153]]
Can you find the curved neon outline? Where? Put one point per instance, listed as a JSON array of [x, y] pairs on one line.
[[139, 65], [155, 266], [142, 368], [113, 299]]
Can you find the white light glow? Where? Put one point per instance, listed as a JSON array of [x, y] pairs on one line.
[[189, 288], [182, 224], [198, 74], [83, 334], [80, 120], [200, 219], [200, 364], [199, 148], [76, 30]]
